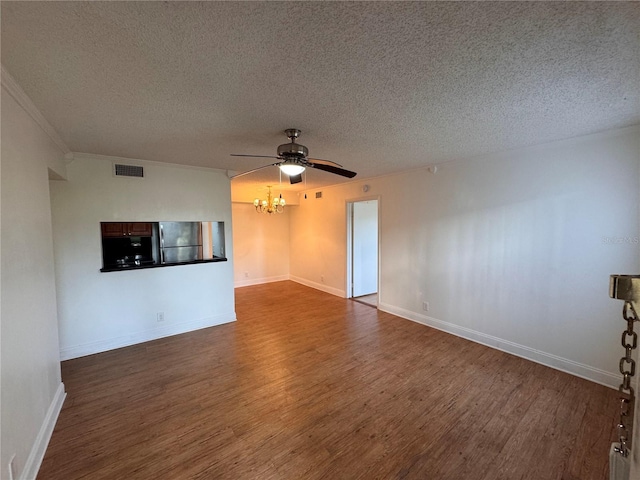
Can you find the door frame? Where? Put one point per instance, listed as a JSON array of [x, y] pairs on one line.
[[349, 267]]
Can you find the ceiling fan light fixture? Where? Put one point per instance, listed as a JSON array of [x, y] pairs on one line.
[[291, 169]]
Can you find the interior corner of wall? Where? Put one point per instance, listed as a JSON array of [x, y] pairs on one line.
[[56, 173]]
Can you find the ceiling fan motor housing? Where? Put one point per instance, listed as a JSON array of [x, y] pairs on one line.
[[292, 150]]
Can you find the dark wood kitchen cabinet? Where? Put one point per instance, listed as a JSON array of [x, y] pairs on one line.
[[139, 229], [126, 229]]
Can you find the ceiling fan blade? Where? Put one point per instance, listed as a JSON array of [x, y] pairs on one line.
[[253, 156], [332, 169], [325, 162], [295, 178], [254, 170]]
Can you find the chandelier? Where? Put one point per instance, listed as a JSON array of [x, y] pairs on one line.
[[270, 205]]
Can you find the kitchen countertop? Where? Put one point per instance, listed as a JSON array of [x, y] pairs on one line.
[[122, 268]]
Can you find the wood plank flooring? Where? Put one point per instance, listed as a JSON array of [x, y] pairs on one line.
[[306, 385]]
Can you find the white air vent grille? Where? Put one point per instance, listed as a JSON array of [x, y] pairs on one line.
[[128, 170]]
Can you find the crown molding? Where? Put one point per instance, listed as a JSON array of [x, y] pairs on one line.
[[435, 167], [13, 89]]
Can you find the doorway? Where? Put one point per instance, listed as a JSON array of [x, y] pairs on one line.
[[363, 251]]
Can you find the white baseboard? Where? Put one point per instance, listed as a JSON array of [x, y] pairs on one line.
[[318, 286], [259, 281], [32, 465], [75, 351], [581, 370]]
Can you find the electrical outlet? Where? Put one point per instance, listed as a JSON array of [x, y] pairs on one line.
[[11, 469], [322, 278], [246, 274], [161, 316], [425, 306]]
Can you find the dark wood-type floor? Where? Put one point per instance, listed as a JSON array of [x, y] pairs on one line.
[[306, 385]]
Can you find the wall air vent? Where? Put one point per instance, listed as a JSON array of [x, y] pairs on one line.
[[128, 170], [318, 194]]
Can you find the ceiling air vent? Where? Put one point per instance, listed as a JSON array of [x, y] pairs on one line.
[[128, 170], [318, 194]]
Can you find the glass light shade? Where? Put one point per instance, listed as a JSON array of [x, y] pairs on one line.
[[264, 203], [282, 202], [256, 202], [291, 169]]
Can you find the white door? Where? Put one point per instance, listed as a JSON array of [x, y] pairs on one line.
[[365, 248]]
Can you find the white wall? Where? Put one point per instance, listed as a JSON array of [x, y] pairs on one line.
[[317, 254], [260, 245], [513, 250], [32, 390], [100, 311]]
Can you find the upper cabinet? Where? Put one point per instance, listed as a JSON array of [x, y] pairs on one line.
[[126, 229], [139, 229]]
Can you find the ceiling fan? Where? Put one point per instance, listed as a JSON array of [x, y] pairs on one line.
[[293, 160]]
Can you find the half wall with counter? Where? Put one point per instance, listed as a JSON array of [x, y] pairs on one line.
[[101, 311]]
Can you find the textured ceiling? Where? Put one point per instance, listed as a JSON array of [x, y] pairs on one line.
[[379, 87]]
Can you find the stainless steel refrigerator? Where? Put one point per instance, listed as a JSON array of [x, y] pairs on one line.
[[180, 242]]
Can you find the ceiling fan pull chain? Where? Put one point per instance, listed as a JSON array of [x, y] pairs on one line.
[[627, 288]]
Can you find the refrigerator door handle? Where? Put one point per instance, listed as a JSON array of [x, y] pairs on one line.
[[161, 244]]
